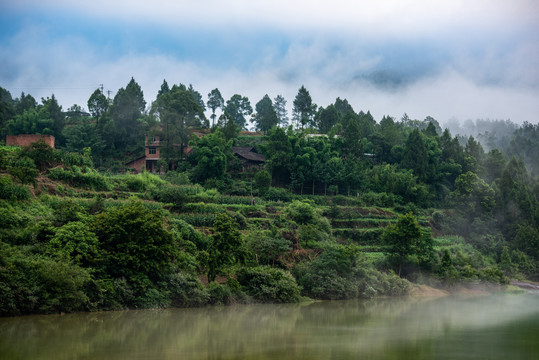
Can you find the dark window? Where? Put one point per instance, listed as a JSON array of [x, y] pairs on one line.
[[154, 139], [152, 151]]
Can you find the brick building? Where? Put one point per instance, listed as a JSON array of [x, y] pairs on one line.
[[26, 140], [150, 158], [248, 156]]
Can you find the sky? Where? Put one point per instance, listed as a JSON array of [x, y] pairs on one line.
[[449, 59]]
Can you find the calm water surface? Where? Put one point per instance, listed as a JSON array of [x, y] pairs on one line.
[[480, 327]]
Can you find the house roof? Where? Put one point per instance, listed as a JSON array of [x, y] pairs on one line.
[[243, 149], [135, 160], [248, 153]]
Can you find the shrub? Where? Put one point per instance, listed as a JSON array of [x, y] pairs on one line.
[[239, 188], [310, 236], [61, 286], [66, 210], [494, 275], [10, 219], [341, 273], [186, 290], [304, 213], [392, 180], [268, 284], [278, 194], [177, 178], [71, 159], [110, 294], [34, 284], [97, 205], [219, 294], [74, 241], [320, 283], [524, 263], [372, 282], [24, 170], [85, 177], [153, 298], [177, 195], [218, 184], [226, 246], [267, 246], [9, 191], [187, 233], [301, 212], [41, 153], [3, 157], [134, 244], [262, 182], [141, 182], [438, 217]]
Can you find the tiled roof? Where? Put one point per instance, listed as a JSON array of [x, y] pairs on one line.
[[248, 153]]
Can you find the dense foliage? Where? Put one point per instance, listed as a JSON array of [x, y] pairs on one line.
[[344, 206]]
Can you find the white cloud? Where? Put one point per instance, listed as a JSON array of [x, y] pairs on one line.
[[447, 95], [395, 17], [72, 68]]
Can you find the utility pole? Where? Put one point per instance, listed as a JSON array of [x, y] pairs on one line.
[[101, 86], [108, 94]]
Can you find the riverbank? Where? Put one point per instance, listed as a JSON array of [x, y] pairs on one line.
[[526, 285], [515, 286]]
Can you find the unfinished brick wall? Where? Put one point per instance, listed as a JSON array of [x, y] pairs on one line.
[[26, 140], [152, 146], [136, 164]]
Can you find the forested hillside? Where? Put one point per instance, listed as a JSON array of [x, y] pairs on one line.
[[341, 206]]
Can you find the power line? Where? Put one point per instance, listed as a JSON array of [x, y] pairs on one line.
[[49, 88]]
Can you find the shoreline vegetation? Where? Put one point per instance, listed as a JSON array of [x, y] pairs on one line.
[[72, 236], [420, 290], [339, 206]]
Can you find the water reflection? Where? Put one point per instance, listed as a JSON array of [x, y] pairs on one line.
[[495, 327]]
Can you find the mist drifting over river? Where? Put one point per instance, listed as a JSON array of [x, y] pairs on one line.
[[485, 326]]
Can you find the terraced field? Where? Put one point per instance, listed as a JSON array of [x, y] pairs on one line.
[[350, 224]]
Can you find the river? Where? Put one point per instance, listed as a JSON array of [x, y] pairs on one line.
[[451, 327]]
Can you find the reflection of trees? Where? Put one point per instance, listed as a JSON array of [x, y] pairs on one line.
[[381, 328], [192, 333]]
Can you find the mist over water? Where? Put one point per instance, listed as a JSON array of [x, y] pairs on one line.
[[493, 327]]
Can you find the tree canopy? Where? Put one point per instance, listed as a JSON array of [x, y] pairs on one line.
[[304, 108], [238, 107], [265, 117]]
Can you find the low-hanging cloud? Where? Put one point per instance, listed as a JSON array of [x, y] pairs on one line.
[[446, 95], [391, 69]]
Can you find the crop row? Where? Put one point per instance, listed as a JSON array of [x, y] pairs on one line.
[[360, 236], [198, 220], [361, 223]]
